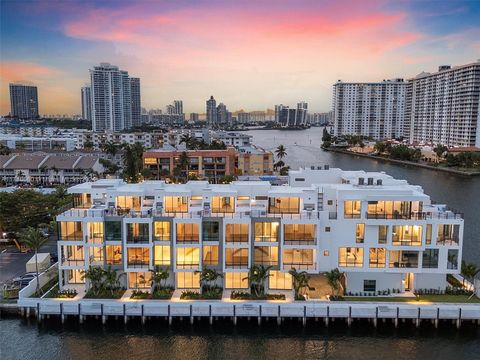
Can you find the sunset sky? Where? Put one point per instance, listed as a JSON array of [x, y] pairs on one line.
[[248, 54]]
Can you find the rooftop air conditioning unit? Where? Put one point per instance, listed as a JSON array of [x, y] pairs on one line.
[[361, 181], [379, 182], [319, 168], [312, 167], [370, 181], [327, 167]]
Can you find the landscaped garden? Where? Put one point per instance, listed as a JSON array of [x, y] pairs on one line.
[[56, 293], [104, 283]]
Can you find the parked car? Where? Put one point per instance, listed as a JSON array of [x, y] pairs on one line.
[[24, 280]]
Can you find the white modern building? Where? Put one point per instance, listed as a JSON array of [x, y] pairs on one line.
[[29, 143], [381, 232], [375, 110], [86, 98], [444, 107]]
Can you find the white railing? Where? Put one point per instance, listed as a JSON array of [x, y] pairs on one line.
[[43, 279]]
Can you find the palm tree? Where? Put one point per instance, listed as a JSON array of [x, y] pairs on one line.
[[257, 276], [111, 148], [94, 275], [300, 281], [469, 271], [110, 280], [34, 240], [281, 152], [159, 275], [208, 277], [333, 278], [132, 161], [184, 163]]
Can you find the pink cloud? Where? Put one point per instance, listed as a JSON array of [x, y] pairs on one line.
[[24, 71]]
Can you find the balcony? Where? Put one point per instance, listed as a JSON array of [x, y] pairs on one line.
[[140, 239], [448, 240], [188, 265], [300, 242], [72, 262], [137, 264], [235, 265], [397, 216], [299, 266]]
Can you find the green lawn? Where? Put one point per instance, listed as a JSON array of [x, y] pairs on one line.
[[421, 299]]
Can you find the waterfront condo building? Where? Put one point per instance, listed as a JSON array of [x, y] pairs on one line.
[[373, 110], [382, 233], [444, 107], [86, 99], [23, 101]]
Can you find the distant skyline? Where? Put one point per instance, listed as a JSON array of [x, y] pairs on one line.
[[248, 55]]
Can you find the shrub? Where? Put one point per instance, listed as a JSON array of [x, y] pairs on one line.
[[190, 295]]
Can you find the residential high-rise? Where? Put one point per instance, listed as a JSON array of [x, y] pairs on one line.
[[444, 107], [86, 95], [211, 111], [178, 104], [194, 117], [278, 111], [302, 110], [374, 110], [287, 117], [23, 101], [136, 102], [222, 114], [111, 98]]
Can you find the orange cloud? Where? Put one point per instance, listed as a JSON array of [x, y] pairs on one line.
[[24, 71]]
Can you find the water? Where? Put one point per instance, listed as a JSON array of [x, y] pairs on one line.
[[458, 192], [21, 339]]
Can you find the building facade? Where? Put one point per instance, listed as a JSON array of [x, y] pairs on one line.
[[211, 111], [287, 117], [111, 93], [210, 164], [380, 232], [444, 107], [136, 105], [375, 110], [253, 160], [23, 101], [86, 98]]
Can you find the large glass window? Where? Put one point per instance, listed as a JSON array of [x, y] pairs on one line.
[[72, 255], [223, 204], [448, 234], [370, 285], [300, 259], [96, 254], [139, 280], [279, 280], [377, 257], [161, 255], [452, 259], [113, 230], [236, 233], [82, 201], [210, 231], [188, 258], [265, 255], [161, 230], [187, 233], [266, 231], [129, 203], [299, 233], [210, 255], [236, 258], [382, 234], [71, 231], [138, 257], [236, 280], [75, 277], [138, 233], [403, 259], [284, 205], [350, 257], [95, 232], [359, 233], [407, 235], [394, 209], [114, 254], [175, 204], [188, 280], [352, 209], [430, 259], [428, 235]]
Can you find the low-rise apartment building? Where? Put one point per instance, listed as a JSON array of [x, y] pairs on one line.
[[382, 233], [210, 164], [254, 160]]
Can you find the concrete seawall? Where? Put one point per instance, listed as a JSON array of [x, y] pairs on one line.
[[325, 311], [406, 163]]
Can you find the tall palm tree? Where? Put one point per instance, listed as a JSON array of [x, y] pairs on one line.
[[184, 163], [300, 281], [281, 152], [111, 148], [159, 275], [333, 278], [34, 240], [257, 276]]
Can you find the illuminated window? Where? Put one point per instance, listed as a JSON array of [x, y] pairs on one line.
[[284, 205], [139, 280], [71, 231], [350, 257], [129, 202], [188, 258], [266, 231], [359, 233], [72, 255], [96, 254], [236, 280], [403, 259], [138, 233], [187, 233], [279, 280], [138, 257], [236, 258], [300, 259], [326, 253], [407, 235], [75, 277], [382, 234], [352, 209], [175, 203], [114, 254], [223, 204], [265, 255], [299, 233], [448, 234], [161, 255], [377, 257], [428, 235], [150, 161], [188, 280], [210, 255], [95, 232], [161, 230], [236, 233]]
